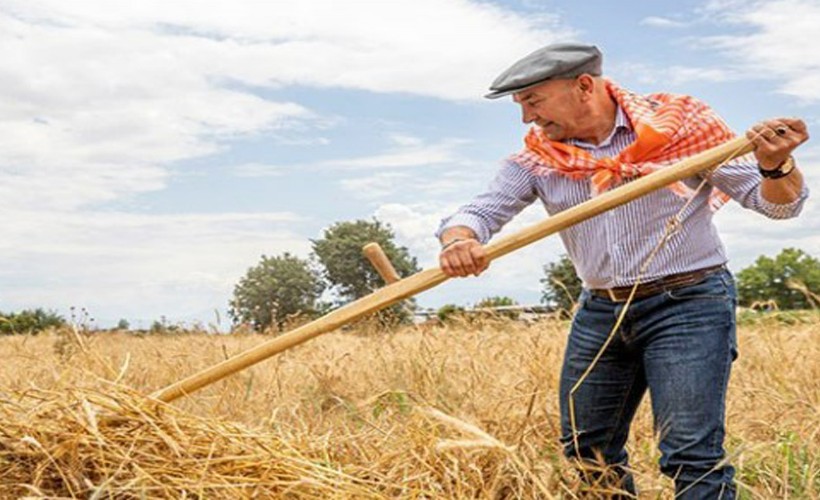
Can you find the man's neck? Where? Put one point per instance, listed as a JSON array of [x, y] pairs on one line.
[[602, 121]]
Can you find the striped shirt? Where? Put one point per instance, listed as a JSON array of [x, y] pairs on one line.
[[608, 250]]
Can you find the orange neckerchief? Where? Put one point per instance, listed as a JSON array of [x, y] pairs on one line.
[[668, 127]]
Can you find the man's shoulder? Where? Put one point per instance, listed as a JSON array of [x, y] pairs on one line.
[[658, 99], [525, 162]]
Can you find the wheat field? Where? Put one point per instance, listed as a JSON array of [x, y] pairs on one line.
[[463, 410]]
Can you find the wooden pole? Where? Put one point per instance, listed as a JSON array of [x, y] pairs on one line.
[[377, 257], [429, 278]]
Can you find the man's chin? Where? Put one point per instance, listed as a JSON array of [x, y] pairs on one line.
[[550, 130], [552, 134]]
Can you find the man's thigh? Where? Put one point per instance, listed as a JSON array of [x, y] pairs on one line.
[[689, 344], [596, 416]]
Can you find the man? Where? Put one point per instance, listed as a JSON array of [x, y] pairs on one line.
[[677, 339]]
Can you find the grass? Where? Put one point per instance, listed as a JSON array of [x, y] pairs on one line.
[[458, 411]]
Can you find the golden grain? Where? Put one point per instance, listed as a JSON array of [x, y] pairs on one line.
[[465, 411]]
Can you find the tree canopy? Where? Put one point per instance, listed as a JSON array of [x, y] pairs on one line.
[[495, 301], [274, 290], [346, 270], [561, 284], [791, 279], [499, 303]]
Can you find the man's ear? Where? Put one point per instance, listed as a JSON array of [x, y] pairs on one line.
[[585, 85], [585, 82]]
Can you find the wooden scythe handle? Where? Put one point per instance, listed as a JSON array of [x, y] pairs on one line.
[[429, 278], [377, 257]]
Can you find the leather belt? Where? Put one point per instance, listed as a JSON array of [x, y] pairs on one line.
[[671, 282]]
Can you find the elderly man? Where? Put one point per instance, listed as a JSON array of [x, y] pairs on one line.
[[677, 340]]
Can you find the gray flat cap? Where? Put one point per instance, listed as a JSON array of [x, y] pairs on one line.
[[553, 62]]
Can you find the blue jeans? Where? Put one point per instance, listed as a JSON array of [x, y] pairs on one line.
[[680, 345]]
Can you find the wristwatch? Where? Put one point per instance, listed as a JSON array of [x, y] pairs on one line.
[[782, 170]]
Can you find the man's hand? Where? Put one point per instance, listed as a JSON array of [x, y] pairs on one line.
[[775, 140], [462, 256]]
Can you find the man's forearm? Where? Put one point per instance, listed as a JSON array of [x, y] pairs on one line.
[[784, 190]]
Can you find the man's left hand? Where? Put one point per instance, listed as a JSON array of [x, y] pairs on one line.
[[775, 140]]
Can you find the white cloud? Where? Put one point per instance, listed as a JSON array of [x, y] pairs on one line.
[[100, 93], [377, 186], [677, 75], [408, 154], [446, 49], [138, 266], [779, 45], [406, 140], [382, 186], [414, 225], [442, 152], [257, 170], [453, 172], [768, 40], [646, 74], [88, 114], [99, 98], [662, 22], [739, 227], [810, 153]]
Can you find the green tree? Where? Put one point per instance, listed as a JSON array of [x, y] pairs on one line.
[[349, 272], [30, 321], [274, 290], [448, 311], [496, 301], [561, 284], [792, 279], [499, 302]]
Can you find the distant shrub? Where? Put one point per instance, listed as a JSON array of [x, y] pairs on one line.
[[447, 311], [29, 321], [498, 306]]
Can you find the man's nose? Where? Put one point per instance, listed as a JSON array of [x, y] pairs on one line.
[[527, 116]]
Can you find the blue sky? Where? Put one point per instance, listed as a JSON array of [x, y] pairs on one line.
[[151, 152]]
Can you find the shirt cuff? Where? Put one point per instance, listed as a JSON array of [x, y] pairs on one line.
[[473, 222], [784, 210]]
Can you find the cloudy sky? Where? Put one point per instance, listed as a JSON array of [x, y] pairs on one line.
[[150, 152]]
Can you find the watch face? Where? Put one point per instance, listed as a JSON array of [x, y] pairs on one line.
[[788, 165], [782, 170]]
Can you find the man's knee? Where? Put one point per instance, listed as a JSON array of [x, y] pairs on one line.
[[587, 447]]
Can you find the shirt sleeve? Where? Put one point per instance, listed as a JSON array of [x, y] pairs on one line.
[[741, 179], [512, 190]]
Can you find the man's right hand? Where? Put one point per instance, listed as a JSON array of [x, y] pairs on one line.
[[463, 257]]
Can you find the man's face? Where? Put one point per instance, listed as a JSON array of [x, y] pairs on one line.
[[553, 106]]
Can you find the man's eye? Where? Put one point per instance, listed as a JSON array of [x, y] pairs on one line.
[[533, 103]]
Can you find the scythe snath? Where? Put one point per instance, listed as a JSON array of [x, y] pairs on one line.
[[429, 278]]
